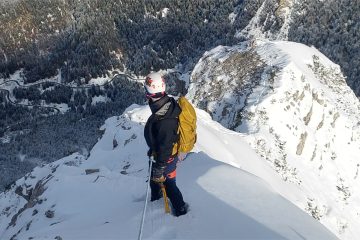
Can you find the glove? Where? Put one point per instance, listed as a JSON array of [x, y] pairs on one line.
[[181, 156], [158, 179], [149, 153]]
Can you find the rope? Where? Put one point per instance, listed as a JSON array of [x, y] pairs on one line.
[[146, 200]]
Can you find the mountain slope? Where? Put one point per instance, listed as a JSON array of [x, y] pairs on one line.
[[272, 20], [297, 112], [331, 26], [227, 200]]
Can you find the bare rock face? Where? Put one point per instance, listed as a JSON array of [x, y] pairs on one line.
[[50, 213], [242, 68], [300, 146], [90, 171], [32, 198]]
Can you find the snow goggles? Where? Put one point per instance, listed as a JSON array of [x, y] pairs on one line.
[[154, 95]]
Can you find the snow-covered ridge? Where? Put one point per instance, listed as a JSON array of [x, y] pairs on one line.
[[271, 21], [223, 181], [297, 112]]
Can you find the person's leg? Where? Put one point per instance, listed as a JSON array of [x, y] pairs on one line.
[[155, 191], [175, 197]]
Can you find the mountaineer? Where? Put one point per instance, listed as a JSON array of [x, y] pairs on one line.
[[170, 133]]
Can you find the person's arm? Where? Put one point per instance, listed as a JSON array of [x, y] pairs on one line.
[[148, 136], [167, 136]]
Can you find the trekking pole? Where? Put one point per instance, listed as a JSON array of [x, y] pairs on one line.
[[166, 202], [146, 199]]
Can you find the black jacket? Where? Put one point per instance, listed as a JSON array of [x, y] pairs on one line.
[[161, 131]]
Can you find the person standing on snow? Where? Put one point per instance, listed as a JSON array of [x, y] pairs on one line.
[[161, 134]]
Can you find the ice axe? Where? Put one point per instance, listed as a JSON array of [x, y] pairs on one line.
[[166, 201]]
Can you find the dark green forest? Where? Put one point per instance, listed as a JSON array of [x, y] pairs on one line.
[[41, 135], [333, 27], [86, 39]]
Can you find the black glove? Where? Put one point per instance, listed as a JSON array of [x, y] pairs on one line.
[[149, 152]]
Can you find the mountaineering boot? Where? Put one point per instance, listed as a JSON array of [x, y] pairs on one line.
[[182, 211]]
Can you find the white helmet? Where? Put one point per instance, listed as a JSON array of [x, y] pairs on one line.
[[154, 85]]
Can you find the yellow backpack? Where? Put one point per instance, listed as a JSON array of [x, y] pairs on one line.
[[187, 127]]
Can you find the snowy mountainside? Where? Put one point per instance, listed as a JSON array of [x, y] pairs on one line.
[[295, 109], [231, 191], [271, 21]]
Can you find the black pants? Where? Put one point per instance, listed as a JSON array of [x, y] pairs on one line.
[[172, 192]]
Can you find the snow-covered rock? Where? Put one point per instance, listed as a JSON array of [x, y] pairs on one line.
[[233, 193], [295, 109], [272, 21]]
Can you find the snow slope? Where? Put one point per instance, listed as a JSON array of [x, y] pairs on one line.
[[231, 191], [271, 21], [295, 109]]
